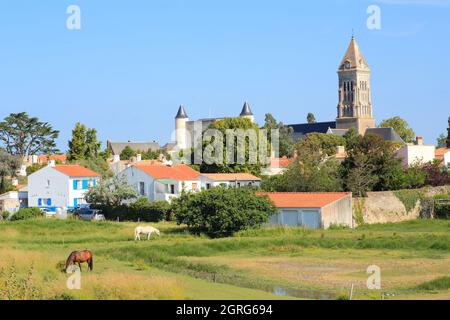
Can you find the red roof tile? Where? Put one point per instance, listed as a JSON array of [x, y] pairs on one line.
[[280, 162], [441, 152], [180, 172], [56, 157], [304, 200], [75, 170], [231, 176]]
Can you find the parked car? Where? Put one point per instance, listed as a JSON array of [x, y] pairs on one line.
[[89, 214]]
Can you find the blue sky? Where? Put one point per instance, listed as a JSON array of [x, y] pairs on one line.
[[134, 62]]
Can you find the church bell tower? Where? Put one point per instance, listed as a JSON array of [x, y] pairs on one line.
[[355, 102]]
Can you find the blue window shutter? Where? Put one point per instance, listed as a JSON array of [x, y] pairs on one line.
[[75, 202], [39, 202], [95, 182], [74, 184], [49, 202], [85, 184]]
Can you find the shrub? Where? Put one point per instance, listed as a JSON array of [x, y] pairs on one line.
[[27, 213], [409, 198], [222, 211], [141, 210], [442, 209]]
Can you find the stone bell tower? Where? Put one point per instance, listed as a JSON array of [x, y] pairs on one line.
[[355, 101]]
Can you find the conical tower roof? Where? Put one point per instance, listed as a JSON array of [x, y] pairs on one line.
[[181, 113], [246, 111], [353, 58]]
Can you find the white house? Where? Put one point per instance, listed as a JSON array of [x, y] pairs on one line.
[[417, 153], [161, 182], [312, 210], [210, 180], [12, 201], [62, 186]]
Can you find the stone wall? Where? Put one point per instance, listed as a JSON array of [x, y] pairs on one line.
[[385, 207]]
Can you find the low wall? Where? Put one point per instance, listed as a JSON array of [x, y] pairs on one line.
[[385, 207]]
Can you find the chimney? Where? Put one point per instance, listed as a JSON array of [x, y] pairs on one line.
[[51, 163], [138, 157], [116, 158], [419, 141]]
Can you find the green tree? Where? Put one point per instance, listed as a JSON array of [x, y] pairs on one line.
[[127, 153], [77, 145], [350, 138], [373, 159], [448, 133], [84, 144], [220, 212], [311, 172], [441, 141], [401, 127], [225, 167], [311, 118], [110, 192], [92, 144], [286, 135], [321, 142], [8, 167], [23, 136]]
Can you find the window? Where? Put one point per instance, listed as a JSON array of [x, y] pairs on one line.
[[172, 189], [77, 184], [208, 186], [142, 188]]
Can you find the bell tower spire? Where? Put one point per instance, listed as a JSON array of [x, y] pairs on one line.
[[354, 108]]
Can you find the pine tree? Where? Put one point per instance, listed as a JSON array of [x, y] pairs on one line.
[[311, 118], [448, 134], [77, 145], [92, 144]]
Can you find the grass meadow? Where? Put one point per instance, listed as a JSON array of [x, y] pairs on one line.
[[267, 263]]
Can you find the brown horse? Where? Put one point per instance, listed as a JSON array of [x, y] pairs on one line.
[[81, 257]]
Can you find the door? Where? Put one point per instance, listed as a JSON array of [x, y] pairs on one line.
[[290, 218], [311, 219]]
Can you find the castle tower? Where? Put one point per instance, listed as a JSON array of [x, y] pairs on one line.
[[247, 112], [180, 127], [355, 102]]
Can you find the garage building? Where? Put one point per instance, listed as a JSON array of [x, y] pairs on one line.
[[312, 210]]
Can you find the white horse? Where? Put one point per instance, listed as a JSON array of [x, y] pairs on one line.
[[146, 231]]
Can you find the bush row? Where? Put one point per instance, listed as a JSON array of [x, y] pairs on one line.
[[141, 210]]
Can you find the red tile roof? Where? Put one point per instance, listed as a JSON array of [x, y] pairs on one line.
[[56, 157], [231, 176], [75, 170], [304, 200], [441, 152], [180, 172], [280, 162]]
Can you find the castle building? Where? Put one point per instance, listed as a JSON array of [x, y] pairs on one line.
[[184, 127]]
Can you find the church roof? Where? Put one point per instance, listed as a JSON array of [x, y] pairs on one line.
[[246, 111], [319, 127], [355, 57], [388, 134], [181, 113]]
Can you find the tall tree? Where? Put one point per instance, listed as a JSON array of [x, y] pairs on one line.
[[8, 166], [448, 133], [311, 118], [441, 141], [23, 136], [110, 192], [84, 144], [286, 135], [92, 144], [400, 126], [77, 145]]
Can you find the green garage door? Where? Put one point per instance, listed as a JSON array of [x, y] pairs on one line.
[[311, 219]]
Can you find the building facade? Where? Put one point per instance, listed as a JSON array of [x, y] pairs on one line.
[[60, 186]]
